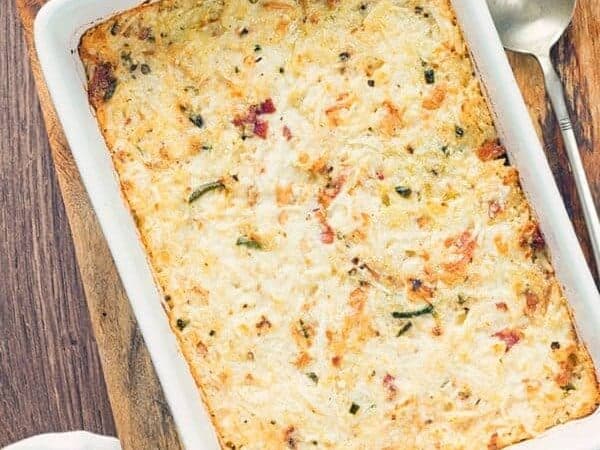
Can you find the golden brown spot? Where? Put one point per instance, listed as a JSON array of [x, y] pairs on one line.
[[329, 335], [319, 166], [277, 6], [511, 177], [435, 100], [493, 442], [343, 101], [358, 298], [567, 366], [392, 120], [502, 306], [331, 190], [252, 195], [371, 65], [490, 150], [284, 195], [303, 158], [201, 349], [282, 26], [282, 218], [336, 361], [501, 246], [531, 302], [465, 246], [302, 360], [423, 221], [327, 233], [201, 293]]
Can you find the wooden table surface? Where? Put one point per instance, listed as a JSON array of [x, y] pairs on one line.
[[59, 283], [50, 375]]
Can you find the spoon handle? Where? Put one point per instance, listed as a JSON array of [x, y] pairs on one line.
[[557, 97]]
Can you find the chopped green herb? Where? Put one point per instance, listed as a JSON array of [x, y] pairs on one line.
[[182, 323], [371, 83], [247, 242], [408, 314], [207, 147], [555, 345], [145, 68], [445, 150], [313, 376], [568, 387], [461, 299], [407, 326], [197, 120], [110, 89], [429, 76], [203, 189], [354, 408], [404, 191], [253, 1], [459, 131], [212, 332], [281, 70], [344, 56], [257, 48]]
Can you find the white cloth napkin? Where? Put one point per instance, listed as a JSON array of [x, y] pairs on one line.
[[74, 440]]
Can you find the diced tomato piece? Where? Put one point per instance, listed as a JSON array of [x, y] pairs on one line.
[[261, 128]]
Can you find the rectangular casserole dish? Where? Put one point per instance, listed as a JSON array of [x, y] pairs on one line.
[[57, 32]]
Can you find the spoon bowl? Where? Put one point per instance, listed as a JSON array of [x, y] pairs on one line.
[[531, 26]]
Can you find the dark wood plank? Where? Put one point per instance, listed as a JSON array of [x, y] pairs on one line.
[[50, 374], [142, 417]]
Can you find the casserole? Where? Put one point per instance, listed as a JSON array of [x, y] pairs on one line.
[[522, 156]]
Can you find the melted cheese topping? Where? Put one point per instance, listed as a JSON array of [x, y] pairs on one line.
[[355, 175]]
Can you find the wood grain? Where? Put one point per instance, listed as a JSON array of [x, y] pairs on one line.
[[50, 374], [140, 414]]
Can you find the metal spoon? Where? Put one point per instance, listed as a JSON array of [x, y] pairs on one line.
[[533, 27]]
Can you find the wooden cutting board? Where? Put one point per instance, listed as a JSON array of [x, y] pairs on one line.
[[141, 414]]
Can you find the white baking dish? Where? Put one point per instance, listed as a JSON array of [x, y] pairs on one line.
[[58, 27]]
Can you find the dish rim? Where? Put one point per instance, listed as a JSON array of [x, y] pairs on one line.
[[57, 29]]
